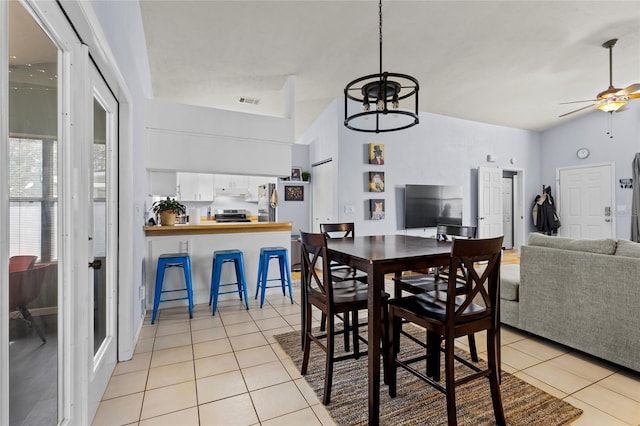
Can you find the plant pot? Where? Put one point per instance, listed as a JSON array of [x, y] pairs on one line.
[[167, 218]]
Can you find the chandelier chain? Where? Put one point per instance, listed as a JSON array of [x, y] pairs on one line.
[[380, 30]]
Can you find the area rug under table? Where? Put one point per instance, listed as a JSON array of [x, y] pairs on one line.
[[417, 403]]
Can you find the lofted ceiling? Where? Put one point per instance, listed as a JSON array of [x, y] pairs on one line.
[[508, 63]]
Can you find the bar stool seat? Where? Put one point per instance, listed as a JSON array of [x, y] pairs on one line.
[[220, 257], [266, 254], [171, 260]]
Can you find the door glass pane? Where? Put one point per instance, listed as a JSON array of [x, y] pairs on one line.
[[33, 221], [99, 224]]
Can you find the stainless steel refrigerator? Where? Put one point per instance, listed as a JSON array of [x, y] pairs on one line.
[[267, 202]]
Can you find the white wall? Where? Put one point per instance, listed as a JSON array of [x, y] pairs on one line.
[[130, 79], [559, 146], [208, 140], [439, 150], [298, 212]]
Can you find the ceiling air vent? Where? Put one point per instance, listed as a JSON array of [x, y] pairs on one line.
[[252, 101]]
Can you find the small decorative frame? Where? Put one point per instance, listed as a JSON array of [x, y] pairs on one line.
[[376, 153], [296, 173], [294, 193], [376, 181], [376, 208]]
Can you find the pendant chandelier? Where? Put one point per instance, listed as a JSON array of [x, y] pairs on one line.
[[377, 99]]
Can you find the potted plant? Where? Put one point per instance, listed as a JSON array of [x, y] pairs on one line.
[[306, 176], [167, 210]]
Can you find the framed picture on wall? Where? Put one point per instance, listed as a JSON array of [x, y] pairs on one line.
[[376, 153], [376, 207], [294, 193], [376, 181], [296, 173]]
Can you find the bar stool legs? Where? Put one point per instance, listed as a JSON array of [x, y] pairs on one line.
[[220, 257], [172, 260], [266, 254]]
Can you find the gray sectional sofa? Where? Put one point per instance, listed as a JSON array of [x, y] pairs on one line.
[[584, 294]]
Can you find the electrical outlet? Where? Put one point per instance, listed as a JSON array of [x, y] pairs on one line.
[[143, 292], [350, 209]]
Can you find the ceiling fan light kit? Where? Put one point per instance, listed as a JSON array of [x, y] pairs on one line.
[[613, 99], [385, 91]]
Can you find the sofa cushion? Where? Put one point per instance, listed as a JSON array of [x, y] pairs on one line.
[[509, 282], [604, 246], [628, 249]]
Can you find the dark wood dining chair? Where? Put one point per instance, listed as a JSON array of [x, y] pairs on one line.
[[344, 230], [343, 274], [332, 299], [447, 315], [421, 282]]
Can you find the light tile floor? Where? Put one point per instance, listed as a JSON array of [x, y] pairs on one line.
[[228, 369]]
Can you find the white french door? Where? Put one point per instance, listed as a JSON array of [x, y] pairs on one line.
[[102, 239]]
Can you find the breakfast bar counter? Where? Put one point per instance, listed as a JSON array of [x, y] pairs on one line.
[[213, 227], [200, 241]]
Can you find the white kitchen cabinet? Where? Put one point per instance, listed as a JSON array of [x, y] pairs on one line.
[[163, 183], [232, 184], [196, 186]]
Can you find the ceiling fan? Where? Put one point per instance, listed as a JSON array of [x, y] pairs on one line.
[[612, 99]]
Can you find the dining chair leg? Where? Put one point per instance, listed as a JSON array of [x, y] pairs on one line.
[[450, 381], [328, 372], [307, 340], [354, 331], [434, 341], [472, 347], [494, 377], [395, 324]]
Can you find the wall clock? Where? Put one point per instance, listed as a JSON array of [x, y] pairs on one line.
[[582, 153]]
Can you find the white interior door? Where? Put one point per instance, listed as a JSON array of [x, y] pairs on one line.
[[102, 240], [586, 200], [322, 194], [489, 202]]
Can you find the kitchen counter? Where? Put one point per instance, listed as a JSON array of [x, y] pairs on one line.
[[200, 241], [213, 227]]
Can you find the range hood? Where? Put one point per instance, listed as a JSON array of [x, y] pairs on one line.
[[232, 192]]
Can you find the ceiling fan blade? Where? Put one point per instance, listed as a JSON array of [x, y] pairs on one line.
[[623, 108], [634, 96], [578, 102], [628, 90], [579, 109]]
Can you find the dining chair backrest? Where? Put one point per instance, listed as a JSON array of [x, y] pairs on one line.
[[21, 262], [444, 231], [481, 295], [338, 230], [314, 259]]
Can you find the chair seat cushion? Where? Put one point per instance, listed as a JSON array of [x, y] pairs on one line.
[[343, 272], [351, 291], [509, 282], [432, 305]]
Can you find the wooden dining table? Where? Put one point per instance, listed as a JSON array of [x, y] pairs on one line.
[[378, 256]]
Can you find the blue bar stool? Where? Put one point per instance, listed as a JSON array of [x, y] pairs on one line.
[[220, 257], [266, 254], [171, 260]]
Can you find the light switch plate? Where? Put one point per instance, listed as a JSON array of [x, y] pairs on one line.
[[349, 209]]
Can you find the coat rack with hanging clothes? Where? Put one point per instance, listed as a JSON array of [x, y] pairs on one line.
[[545, 218]]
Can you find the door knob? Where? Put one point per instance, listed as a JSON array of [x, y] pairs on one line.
[[96, 264]]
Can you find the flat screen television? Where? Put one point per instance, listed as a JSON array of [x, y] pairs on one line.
[[426, 206]]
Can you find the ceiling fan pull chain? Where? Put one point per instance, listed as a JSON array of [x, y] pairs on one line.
[[610, 125]]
